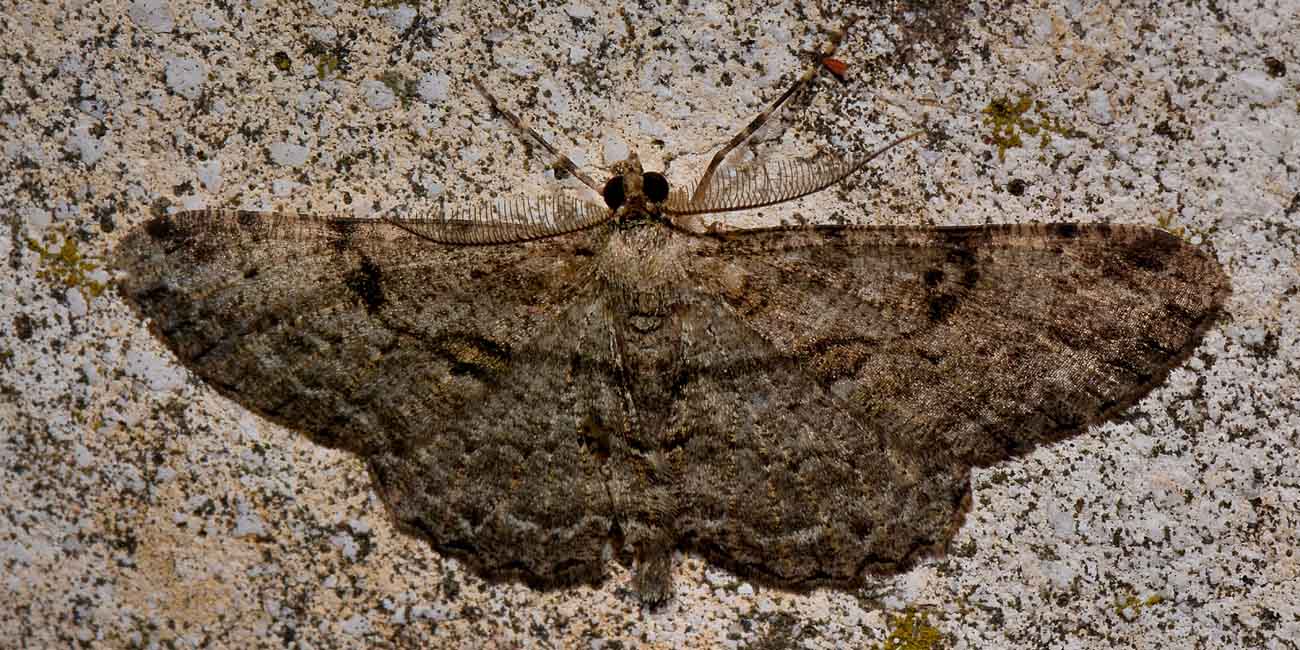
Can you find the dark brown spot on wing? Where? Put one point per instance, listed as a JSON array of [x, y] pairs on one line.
[[962, 255], [344, 230], [367, 283], [165, 229], [941, 306], [1150, 253], [933, 277], [595, 436], [1066, 230]]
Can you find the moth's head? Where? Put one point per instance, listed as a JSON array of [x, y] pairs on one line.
[[634, 194]]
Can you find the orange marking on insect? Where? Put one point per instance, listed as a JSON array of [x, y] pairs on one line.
[[836, 66]]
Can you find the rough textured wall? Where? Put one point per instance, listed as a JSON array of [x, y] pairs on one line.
[[139, 508]]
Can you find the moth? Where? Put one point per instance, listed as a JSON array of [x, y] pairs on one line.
[[542, 387]]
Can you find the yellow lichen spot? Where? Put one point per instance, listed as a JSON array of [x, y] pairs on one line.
[[1007, 120], [1166, 222], [1129, 608], [66, 265], [403, 89], [282, 62], [911, 631], [327, 63]]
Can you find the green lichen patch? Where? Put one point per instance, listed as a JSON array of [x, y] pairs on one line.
[[282, 62], [1007, 120], [1130, 608], [327, 64], [911, 630], [66, 265], [402, 87], [1166, 222], [330, 59]]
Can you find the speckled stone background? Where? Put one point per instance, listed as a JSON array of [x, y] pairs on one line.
[[139, 509]]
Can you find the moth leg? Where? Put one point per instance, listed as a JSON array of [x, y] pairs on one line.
[[757, 123], [561, 159]]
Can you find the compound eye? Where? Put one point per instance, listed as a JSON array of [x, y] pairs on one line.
[[655, 186], [614, 193]]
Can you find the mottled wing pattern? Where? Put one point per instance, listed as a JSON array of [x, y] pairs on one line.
[[801, 405], [775, 479], [858, 373], [517, 482], [419, 356]]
